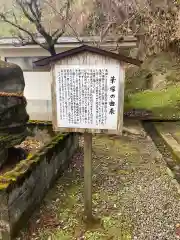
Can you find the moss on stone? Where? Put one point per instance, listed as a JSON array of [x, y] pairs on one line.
[[3, 186], [9, 140], [38, 122], [11, 176]]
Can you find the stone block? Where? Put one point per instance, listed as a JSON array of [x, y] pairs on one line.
[[23, 188]]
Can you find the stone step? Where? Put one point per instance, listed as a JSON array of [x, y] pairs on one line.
[[171, 141]]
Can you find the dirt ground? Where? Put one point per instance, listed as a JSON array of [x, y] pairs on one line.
[[134, 197]]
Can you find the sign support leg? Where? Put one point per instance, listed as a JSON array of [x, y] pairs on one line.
[[88, 175]]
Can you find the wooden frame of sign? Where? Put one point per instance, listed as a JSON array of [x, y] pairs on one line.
[[87, 59], [98, 74]]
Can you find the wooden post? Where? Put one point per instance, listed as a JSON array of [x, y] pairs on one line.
[[88, 175]]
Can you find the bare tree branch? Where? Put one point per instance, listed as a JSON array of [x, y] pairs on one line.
[[155, 23], [36, 13], [104, 33], [59, 32], [32, 11], [66, 19], [25, 12], [16, 25]]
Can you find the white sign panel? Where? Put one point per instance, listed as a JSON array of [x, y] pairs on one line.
[[87, 96]]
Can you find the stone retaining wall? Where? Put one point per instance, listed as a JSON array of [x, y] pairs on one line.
[[23, 188], [165, 148]]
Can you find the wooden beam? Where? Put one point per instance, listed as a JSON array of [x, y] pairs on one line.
[[88, 175]]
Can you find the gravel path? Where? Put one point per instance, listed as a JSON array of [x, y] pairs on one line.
[[148, 195], [153, 198], [134, 195]]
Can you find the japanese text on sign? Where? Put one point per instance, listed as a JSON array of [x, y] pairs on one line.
[[87, 97]]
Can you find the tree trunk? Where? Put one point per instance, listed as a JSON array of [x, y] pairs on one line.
[[52, 50]]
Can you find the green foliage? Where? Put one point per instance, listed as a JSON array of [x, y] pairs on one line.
[[137, 80], [155, 86], [163, 103], [57, 235]]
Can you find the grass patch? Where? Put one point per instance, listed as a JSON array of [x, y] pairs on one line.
[[163, 104]]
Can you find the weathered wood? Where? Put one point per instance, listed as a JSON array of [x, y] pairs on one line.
[[87, 58], [88, 175], [81, 49], [121, 99], [113, 87]]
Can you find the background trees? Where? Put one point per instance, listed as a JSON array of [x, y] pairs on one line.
[[49, 19], [154, 22]]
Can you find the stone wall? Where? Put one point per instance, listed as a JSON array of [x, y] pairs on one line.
[[23, 188], [170, 156]]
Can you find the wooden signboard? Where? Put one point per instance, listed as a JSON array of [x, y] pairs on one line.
[[88, 94], [87, 97]]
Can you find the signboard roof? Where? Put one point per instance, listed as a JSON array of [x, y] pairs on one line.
[[86, 48]]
